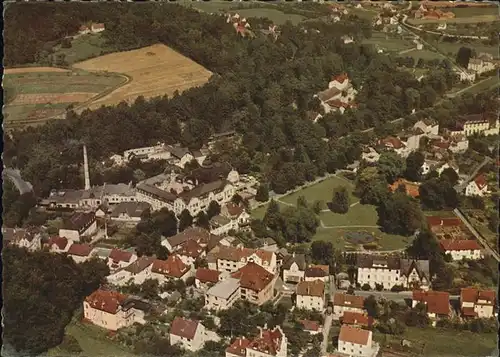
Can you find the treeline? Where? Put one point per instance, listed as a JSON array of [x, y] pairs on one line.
[[263, 89]]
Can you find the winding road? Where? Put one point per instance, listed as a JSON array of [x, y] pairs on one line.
[[15, 176]]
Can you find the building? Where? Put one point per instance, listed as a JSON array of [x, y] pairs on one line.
[[230, 259], [377, 270], [135, 273], [476, 303], [79, 225], [112, 310], [461, 249], [80, 252], [414, 274], [317, 272], [343, 303], [222, 295], [173, 154], [96, 28], [206, 277], [190, 251], [232, 217], [339, 96], [269, 343], [130, 212], [356, 319], [256, 283], [238, 348], [356, 342], [172, 268], [294, 267], [30, 238], [478, 186], [370, 155], [480, 66], [394, 144], [201, 236], [411, 188], [313, 327], [311, 295], [476, 124], [190, 334], [118, 259], [58, 244], [437, 304]]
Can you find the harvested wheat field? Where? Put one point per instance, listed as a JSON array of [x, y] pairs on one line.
[[44, 98], [153, 71], [33, 70]]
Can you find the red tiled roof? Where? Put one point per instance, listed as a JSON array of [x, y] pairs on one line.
[[311, 288], [341, 299], [184, 327], [234, 210], [391, 141], [264, 255], [354, 335], [480, 181], [207, 275], [462, 244], [60, 242], [97, 26], [190, 248], [473, 295], [268, 342], [118, 255], [310, 325], [412, 189], [254, 277], [173, 266], [437, 302], [108, 301], [238, 347], [468, 311], [83, 28], [82, 250], [356, 318], [444, 221]]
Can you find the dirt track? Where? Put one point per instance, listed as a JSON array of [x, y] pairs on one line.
[[33, 70]]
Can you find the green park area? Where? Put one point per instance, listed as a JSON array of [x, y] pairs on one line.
[[336, 227], [83, 47], [389, 42]]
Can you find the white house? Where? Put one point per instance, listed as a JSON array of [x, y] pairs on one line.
[[428, 127], [79, 225], [118, 259], [356, 342], [222, 295], [269, 343], [30, 238], [206, 277], [112, 310], [311, 295], [172, 268], [370, 155], [190, 334], [480, 66], [136, 273], [96, 28], [294, 267], [189, 251], [461, 249], [476, 303], [80, 252], [414, 274], [375, 270], [58, 244], [346, 302], [437, 303], [477, 187], [130, 212], [317, 272], [230, 259]]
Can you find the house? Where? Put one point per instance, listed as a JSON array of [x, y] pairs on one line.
[[341, 82], [30, 238], [206, 277], [356, 319], [311, 295], [476, 303], [411, 188], [190, 251], [317, 272], [343, 303], [83, 30], [200, 235], [414, 274], [238, 348], [112, 310], [466, 76], [129, 211], [428, 127], [268, 244], [294, 267], [79, 225], [58, 244], [313, 327], [137, 272], [172, 268], [480, 66], [461, 249], [377, 270], [96, 28], [231, 259], [190, 334], [478, 186], [269, 343], [370, 155], [221, 225], [394, 144], [356, 342], [437, 303], [118, 259], [339, 96], [232, 217], [80, 252], [347, 39], [222, 295], [256, 283]]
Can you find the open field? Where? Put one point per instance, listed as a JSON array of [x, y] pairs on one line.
[[474, 11], [456, 20], [389, 43], [276, 16], [449, 47], [153, 71], [83, 47], [38, 95], [210, 6], [34, 70], [425, 54]]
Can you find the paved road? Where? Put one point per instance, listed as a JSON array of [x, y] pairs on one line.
[[15, 176], [454, 94], [389, 295], [461, 187], [328, 319]]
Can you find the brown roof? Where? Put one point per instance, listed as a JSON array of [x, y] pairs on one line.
[[317, 271], [60, 242], [354, 335], [17, 234], [391, 141], [79, 220], [173, 266], [200, 235], [369, 261], [268, 342], [254, 277], [234, 254], [207, 275], [132, 209], [190, 248], [481, 181], [462, 244], [118, 255], [97, 26], [108, 301], [328, 94], [310, 325], [356, 318], [341, 299], [82, 250], [311, 288], [473, 295], [183, 327], [238, 347], [139, 265], [437, 302], [444, 221], [412, 189], [234, 210]]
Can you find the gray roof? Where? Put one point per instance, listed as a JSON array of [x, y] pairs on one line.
[[219, 221], [422, 267], [139, 265], [300, 259], [177, 151], [224, 288], [328, 94], [368, 261], [132, 209], [64, 196], [118, 189]]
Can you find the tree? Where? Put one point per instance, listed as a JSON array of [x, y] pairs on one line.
[[317, 207], [213, 209], [391, 165], [371, 306], [340, 200], [302, 202], [262, 194], [371, 186], [322, 252], [425, 246], [437, 194], [463, 56], [400, 214], [272, 218], [202, 220], [414, 162], [185, 220], [450, 175], [149, 289]]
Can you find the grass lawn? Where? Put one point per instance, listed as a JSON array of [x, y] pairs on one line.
[[487, 84], [474, 11], [449, 47], [83, 47], [210, 6], [389, 43], [425, 54], [457, 20], [439, 213], [364, 13], [276, 16], [358, 215]]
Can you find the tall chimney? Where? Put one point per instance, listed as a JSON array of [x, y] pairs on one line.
[[86, 168]]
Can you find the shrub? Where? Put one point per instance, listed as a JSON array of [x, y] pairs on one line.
[[379, 287], [370, 246], [397, 288], [366, 287]]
